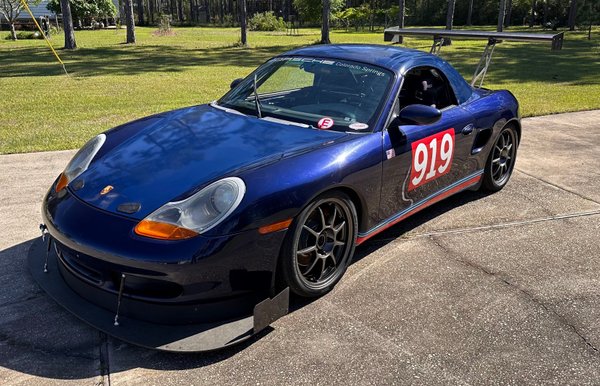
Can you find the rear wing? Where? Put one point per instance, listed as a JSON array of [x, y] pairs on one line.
[[395, 34]]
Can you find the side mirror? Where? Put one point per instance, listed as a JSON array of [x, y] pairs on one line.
[[235, 82], [419, 115]]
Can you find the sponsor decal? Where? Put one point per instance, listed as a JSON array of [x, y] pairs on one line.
[[325, 123], [431, 158], [358, 126]]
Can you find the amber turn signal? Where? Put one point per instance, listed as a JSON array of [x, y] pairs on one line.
[[275, 227], [163, 231], [62, 182]]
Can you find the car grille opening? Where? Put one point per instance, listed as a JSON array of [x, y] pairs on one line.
[[108, 276]]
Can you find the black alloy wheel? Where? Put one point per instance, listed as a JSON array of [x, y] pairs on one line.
[[501, 160], [320, 244]]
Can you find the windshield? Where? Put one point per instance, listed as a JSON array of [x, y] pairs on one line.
[[327, 94]]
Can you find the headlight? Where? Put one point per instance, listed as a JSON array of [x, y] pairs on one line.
[[80, 162], [196, 214]]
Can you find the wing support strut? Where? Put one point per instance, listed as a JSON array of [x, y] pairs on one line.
[[436, 47], [484, 62]]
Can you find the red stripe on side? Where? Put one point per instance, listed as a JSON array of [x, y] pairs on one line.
[[456, 189]]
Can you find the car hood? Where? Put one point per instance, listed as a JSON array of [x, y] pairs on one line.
[[183, 150]]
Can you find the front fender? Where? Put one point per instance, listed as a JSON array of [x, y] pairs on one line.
[[279, 191]]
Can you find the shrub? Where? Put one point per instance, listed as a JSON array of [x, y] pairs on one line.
[[266, 21], [164, 26], [228, 20], [164, 23], [26, 35]]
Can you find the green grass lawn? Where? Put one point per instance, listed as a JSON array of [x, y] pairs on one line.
[[111, 83]]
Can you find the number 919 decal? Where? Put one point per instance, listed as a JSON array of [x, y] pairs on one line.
[[431, 158]]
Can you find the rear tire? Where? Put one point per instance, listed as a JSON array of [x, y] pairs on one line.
[[501, 160], [319, 245]]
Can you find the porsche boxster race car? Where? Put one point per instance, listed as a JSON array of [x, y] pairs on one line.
[[186, 230]]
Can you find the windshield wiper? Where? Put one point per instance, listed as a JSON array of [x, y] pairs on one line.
[[256, 100]]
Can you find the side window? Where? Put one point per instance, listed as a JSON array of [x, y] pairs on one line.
[[426, 86]]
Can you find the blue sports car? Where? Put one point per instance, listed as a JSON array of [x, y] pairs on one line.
[[186, 230]]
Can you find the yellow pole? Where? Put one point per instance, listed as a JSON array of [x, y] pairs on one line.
[[44, 35]]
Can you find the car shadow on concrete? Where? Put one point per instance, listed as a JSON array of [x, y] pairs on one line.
[[40, 338]]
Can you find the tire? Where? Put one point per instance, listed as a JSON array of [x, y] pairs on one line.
[[501, 160], [319, 245]]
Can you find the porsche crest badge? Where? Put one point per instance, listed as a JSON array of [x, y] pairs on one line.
[[106, 189]]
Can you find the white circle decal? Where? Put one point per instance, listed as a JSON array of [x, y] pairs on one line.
[[325, 123], [359, 126]]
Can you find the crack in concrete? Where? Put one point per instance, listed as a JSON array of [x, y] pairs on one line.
[[34, 296], [4, 338], [487, 227], [103, 357], [558, 186], [560, 318]]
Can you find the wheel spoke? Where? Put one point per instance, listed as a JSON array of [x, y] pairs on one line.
[[324, 224], [334, 216], [509, 147], [322, 269], [495, 161], [498, 149], [311, 231], [339, 228], [497, 171], [312, 266], [307, 250], [338, 243], [333, 258]]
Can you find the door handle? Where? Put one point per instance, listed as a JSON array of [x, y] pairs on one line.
[[468, 129]]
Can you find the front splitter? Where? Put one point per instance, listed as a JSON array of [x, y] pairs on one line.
[[177, 338]]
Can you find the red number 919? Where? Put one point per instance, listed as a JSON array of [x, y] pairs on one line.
[[431, 158]]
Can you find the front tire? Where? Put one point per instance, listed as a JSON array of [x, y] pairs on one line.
[[501, 161], [319, 245]]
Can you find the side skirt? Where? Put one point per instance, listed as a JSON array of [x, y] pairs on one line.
[[458, 186]]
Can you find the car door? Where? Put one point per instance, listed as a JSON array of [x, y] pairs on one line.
[[424, 163]]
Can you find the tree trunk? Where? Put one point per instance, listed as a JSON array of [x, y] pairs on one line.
[[65, 9], [243, 39], [532, 18], [450, 19], [545, 17], [140, 9], [13, 32], [572, 15], [180, 10], [470, 14], [129, 22], [501, 13], [591, 20], [401, 12], [508, 13], [325, 22], [151, 11]]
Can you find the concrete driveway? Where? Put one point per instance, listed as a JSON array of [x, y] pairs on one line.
[[498, 289]]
